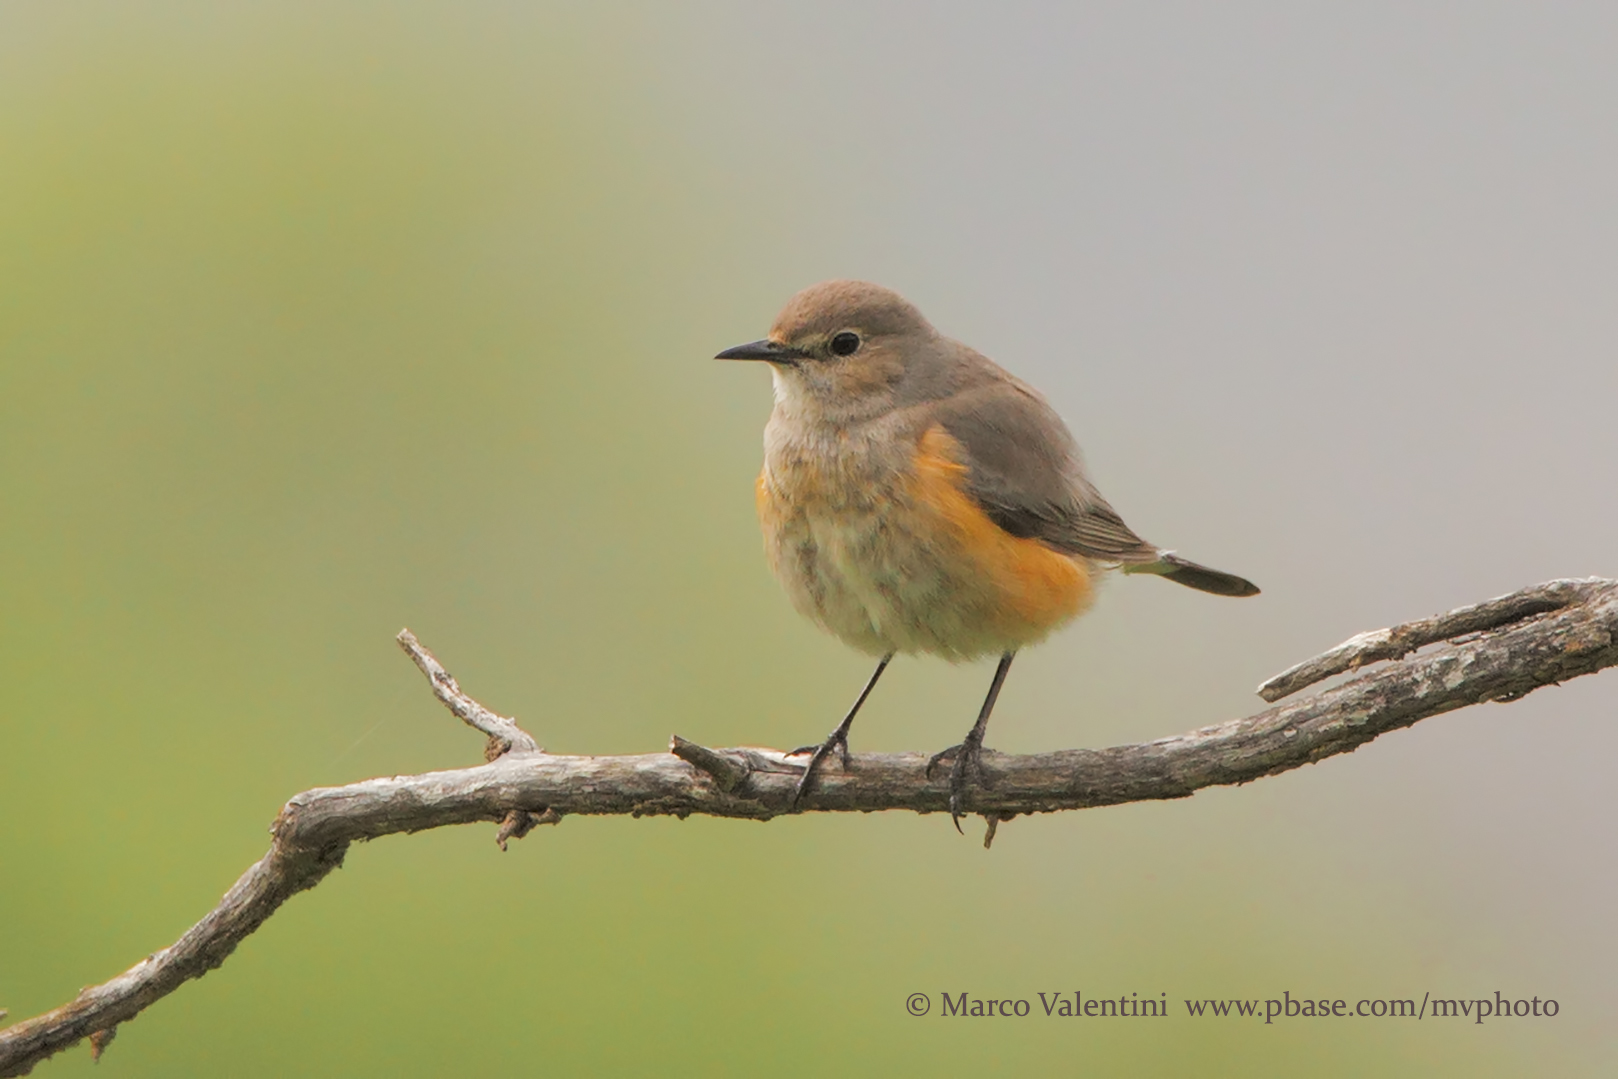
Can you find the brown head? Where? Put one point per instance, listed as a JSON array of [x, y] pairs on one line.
[[842, 350]]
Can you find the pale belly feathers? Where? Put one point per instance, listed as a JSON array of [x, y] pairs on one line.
[[886, 555]]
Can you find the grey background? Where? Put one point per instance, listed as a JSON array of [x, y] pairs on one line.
[[1326, 293]]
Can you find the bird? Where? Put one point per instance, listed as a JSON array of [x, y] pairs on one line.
[[917, 498]]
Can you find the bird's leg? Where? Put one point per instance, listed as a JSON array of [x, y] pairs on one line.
[[968, 754], [837, 739]]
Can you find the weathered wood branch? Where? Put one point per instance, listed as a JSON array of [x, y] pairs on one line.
[[1495, 651], [1400, 641]]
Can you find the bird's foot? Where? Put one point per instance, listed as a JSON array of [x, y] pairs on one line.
[[836, 741], [966, 770]]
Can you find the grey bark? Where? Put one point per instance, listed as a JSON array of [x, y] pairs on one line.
[[1500, 650]]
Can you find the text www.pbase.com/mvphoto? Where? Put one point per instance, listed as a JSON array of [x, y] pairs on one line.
[[1077, 1005]]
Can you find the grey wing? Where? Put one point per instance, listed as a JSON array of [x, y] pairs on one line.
[[1026, 476]]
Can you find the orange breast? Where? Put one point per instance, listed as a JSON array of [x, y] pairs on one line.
[[892, 554], [1033, 587]]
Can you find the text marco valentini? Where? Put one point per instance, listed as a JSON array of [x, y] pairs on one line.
[[1059, 1004]]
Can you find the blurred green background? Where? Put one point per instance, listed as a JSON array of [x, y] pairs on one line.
[[317, 321]]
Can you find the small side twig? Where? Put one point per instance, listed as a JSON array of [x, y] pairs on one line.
[[504, 734], [727, 774], [99, 1042], [993, 819], [519, 822]]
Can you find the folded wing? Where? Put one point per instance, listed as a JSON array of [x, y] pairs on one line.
[[1026, 475]]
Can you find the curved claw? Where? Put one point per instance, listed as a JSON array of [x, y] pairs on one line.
[[837, 740], [941, 755], [966, 757]]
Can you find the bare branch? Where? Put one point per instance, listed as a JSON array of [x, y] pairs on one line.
[[1508, 647], [1400, 641]]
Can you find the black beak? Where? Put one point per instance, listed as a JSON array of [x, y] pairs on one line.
[[766, 350]]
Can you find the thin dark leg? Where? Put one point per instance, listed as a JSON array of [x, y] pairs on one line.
[[968, 754], [837, 739]]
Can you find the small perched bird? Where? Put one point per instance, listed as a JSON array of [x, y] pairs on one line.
[[916, 497]]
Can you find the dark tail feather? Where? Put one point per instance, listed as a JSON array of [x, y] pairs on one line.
[[1203, 579]]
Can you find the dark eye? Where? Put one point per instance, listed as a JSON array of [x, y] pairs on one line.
[[845, 344]]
